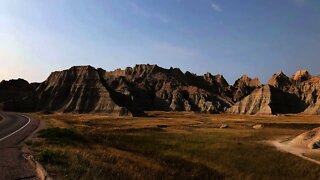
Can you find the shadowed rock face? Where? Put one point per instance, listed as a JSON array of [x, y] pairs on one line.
[[78, 89], [309, 92], [307, 88], [284, 102], [154, 88], [84, 89], [268, 100], [244, 86], [280, 80], [14, 90], [298, 94]]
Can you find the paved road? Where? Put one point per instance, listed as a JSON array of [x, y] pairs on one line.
[[15, 128]]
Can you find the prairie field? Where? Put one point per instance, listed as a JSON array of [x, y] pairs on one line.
[[171, 145]]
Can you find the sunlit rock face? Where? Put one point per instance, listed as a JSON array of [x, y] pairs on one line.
[[301, 75], [298, 94]]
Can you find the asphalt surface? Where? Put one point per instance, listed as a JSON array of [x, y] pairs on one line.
[[14, 129]]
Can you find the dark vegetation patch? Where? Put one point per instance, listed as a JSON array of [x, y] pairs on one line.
[[304, 126], [50, 156], [179, 168], [61, 135], [162, 126], [139, 130], [47, 112]]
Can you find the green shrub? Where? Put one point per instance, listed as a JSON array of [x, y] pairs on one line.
[[52, 157], [61, 135]]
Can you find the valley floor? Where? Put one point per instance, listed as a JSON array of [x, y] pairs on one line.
[[171, 145]]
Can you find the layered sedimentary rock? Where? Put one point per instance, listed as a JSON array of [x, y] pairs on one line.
[[244, 86], [314, 108], [258, 102], [195, 99], [85, 89], [308, 90], [298, 94], [78, 89], [268, 100], [280, 81], [154, 88]]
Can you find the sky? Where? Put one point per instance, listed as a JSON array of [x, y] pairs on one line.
[[230, 37]]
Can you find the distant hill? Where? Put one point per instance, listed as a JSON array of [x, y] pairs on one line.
[[131, 91]]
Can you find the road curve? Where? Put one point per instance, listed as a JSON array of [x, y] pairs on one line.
[[12, 124], [14, 128]]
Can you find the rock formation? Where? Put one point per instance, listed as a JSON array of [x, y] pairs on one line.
[[14, 90], [301, 75], [244, 86], [308, 90], [154, 88], [131, 91], [280, 81], [282, 94], [314, 108], [78, 89], [258, 102], [84, 89]]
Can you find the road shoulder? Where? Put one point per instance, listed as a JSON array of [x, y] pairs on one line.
[[13, 163]]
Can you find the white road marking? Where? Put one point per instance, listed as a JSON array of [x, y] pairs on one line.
[[18, 129]]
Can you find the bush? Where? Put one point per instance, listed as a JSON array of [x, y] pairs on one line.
[[52, 157], [61, 135]]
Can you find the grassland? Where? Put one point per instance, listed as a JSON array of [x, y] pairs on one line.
[[171, 146]]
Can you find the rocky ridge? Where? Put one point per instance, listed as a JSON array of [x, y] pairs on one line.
[[133, 90], [298, 94]]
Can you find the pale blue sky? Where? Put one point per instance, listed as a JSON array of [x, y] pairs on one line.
[[232, 37]]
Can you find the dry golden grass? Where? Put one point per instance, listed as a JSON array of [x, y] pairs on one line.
[[174, 145]]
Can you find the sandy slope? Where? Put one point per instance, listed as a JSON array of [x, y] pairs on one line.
[[301, 145]]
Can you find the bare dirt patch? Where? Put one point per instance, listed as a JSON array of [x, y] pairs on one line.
[[304, 145]]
